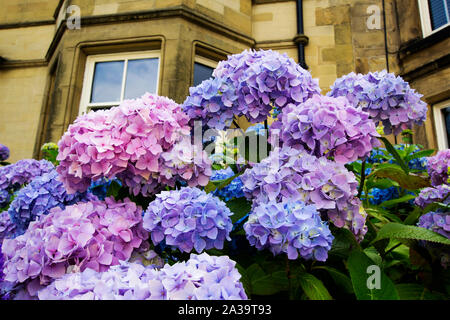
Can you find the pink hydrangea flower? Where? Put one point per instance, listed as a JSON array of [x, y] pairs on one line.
[[137, 142]]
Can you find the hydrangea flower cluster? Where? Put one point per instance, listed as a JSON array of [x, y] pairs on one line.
[[7, 227], [327, 126], [381, 195], [38, 197], [95, 235], [438, 166], [428, 196], [201, 277], [388, 99], [213, 103], [231, 191], [291, 174], [290, 227], [436, 221], [188, 218], [13, 176], [144, 142], [4, 152], [249, 84], [264, 79]]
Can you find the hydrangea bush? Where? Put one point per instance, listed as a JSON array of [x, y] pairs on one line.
[[134, 196]]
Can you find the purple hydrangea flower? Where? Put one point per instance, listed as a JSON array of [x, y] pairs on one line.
[[38, 197], [188, 218], [15, 175], [95, 235], [440, 193], [388, 99], [290, 227], [291, 174], [438, 167], [201, 277], [249, 84], [327, 126], [436, 221], [7, 227], [4, 152]]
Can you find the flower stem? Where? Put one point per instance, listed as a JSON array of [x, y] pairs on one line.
[[363, 178]]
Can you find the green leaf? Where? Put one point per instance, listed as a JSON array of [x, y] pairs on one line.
[[261, 283], [418, 155], [358, 264], [240, 207], [313, 287], [395, 154], [399, 231], [344, 242], [341, 279], [393, 202], [379, 183], [406, 181], [414, 291]]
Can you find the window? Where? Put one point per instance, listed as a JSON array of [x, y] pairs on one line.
[[442, 121], [203, 69], [435, 15], [111, 78]]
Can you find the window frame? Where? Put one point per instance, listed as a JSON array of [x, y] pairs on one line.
[[425, 19], [91, 60], [439, 122]]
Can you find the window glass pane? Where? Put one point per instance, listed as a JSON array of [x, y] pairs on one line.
[[142, 77], [107, 84], [201, 73], [439, 12], [446, 113]]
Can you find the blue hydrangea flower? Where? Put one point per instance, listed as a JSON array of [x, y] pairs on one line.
[[381, 195], [188, 219], [291, 227], [100, 187], [38, 197], [231, 191]]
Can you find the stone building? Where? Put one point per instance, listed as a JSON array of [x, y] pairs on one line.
[[59, 58]]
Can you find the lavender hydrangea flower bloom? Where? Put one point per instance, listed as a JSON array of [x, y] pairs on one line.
[[327, 126], [388, 99], [264, 79], [436, 221], [188, 219], [231, 191], [428, 196], [4, 152], [95, 235], [13, 176], [291, 227], [201, 277], [438, 167], [38, 197], [249, 84], [291, 174], [7, 227]]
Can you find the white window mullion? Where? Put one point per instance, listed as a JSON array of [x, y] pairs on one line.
[[124, 78]]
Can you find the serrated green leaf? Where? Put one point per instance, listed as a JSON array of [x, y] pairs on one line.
[[418, 155], [313, 287], [395, 154], [341, 279], [358, 264], [392, 202], [261, 284], [406, 181], [399, 231], [240, 207]]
